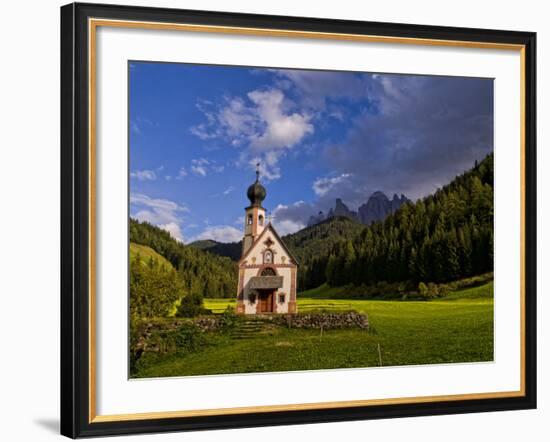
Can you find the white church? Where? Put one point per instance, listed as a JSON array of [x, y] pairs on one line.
[[267, 269]]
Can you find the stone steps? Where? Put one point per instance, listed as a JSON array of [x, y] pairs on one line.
[[247, 330]]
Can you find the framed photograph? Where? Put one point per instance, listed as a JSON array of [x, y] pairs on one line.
[[276, 220]]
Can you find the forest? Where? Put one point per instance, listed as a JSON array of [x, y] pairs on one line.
[[444, 237], [198, 271]]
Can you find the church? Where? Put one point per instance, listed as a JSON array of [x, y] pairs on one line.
[[267, 269]]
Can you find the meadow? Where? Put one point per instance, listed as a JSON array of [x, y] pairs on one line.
[[457, 328]]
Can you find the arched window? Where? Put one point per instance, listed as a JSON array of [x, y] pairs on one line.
[[261, 220], [268, 257], [249, 219], [268, 272]]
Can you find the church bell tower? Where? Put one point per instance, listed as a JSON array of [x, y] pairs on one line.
[[254, 219]]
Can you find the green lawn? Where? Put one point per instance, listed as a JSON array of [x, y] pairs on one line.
[[456, 329]]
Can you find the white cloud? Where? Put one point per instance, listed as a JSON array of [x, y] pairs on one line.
[[220, 234], [198, 166], [236, 119], [144, 175], [321, 186], [265, 124], [228, 190], [160, 212], [138, 124], [290, 218], [174, 230], [199, 170], [287, 226], [281, 130], [202, 167], [182, 173]]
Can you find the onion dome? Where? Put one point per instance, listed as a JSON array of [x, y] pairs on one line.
[[256, 192]]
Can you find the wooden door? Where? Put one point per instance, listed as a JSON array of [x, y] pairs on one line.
[[266, 302]]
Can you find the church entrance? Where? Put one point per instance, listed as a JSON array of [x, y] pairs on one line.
[[266, 299]]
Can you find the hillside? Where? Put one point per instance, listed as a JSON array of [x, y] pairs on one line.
[[200, 272], [231, 250], [443, 237], [147, 253], [316, 241]]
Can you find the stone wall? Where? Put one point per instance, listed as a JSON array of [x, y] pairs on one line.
[[203, 323], [326, 321]]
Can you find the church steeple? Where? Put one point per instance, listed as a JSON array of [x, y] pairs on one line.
[[254, 220], [256, 192]]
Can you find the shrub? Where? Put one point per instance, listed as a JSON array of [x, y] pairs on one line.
[[137, 329], [229, 318], [444, 290], [432, 290], [422, 289], [188, 337], [192, 305]]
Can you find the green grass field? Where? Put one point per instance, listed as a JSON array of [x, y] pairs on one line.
[[458, 328]]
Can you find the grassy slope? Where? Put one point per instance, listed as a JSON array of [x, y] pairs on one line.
[[459, 329], [147, 252]]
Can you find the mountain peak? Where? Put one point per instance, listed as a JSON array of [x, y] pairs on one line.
[[377, 208]]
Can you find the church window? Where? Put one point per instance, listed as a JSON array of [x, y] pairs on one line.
[[268, 272], [268, 257], [249, 221], [261, 220], [281, 298]]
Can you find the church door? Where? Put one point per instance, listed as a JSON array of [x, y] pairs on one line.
[[266, 302]]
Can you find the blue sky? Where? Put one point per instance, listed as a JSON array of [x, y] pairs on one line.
[[196, 133]]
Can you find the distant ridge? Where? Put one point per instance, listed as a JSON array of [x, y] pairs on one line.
[[377, 208], [231, 250]]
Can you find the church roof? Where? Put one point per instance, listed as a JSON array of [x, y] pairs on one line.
[[276, 235], [266, 282]]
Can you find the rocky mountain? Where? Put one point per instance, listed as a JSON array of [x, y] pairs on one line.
[[377, 208], [340, 209]]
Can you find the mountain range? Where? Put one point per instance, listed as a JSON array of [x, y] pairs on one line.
[[377, 208]]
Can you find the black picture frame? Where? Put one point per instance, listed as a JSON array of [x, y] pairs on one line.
[[75, 221]]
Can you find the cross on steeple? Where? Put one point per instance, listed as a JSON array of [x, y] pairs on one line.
[[257, 172]]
